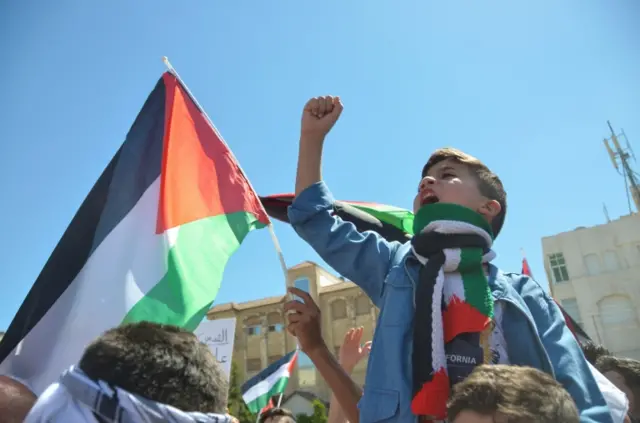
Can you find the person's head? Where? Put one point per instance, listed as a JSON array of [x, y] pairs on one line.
[[16, 400], [501, 394], [592, 352], [160, 362], [277, 415], [452, 176], [625, 374]]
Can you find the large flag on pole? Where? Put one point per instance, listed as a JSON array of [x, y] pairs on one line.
[[258, 391], [150, 241]]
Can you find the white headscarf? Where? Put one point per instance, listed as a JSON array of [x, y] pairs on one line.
[[76, 398]]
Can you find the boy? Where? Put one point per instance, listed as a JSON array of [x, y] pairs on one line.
[[417, 350], [510, 394]]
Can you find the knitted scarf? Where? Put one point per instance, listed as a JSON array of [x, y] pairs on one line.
[[454, 308]]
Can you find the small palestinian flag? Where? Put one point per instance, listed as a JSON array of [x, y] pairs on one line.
[[258, 391], [150, 241]]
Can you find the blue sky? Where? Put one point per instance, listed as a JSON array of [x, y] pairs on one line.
[[526, 86]]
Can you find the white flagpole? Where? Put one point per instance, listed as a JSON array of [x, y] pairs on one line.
[[280, 400], [276, 243]]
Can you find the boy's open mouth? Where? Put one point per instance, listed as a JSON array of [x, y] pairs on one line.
[[429, 198]]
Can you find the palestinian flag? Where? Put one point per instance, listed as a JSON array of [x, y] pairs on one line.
[[150, 241], [258, 391], [579, 333], [392, 223]]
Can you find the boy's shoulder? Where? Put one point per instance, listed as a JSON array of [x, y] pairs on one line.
[[523, 285]]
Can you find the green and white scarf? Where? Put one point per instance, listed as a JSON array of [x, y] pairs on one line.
[[454, 306]]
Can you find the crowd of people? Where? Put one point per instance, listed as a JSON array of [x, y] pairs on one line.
[[457, 339]]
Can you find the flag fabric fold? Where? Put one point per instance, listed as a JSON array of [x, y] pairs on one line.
[[150, 241], [258, 391]]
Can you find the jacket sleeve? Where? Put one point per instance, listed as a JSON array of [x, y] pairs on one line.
[[569, 364], [364, 258]]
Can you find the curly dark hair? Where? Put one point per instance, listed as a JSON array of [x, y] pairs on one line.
[[160, 362]]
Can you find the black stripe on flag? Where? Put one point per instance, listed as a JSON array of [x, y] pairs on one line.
[[130, 173]]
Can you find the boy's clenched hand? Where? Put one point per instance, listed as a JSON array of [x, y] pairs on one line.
[[319, 116]]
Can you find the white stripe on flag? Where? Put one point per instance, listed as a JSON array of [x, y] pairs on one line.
[[263, 387], [122, 269]]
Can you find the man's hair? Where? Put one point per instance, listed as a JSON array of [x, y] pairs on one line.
[[592, 351], [488, 182], [628, 368], [160, 362], [16, 400], [518, 394], [276, 412]]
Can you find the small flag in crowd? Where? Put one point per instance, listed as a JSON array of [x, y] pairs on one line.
[[526, 270], [150, 241], [258, 391]]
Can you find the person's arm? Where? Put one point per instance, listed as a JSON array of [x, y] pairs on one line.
[[304, 323], [344, 389], [569, 364], [363, 258], [351, 352]]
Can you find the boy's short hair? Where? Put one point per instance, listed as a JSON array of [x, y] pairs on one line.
[[163, 363], [516, 394], [628, 368], [276, 412], [489, 183], [592, 351]]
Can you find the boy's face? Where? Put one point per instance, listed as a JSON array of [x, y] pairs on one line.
[[452, 182]]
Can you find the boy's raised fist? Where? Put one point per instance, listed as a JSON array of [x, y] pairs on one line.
[[319, 116]]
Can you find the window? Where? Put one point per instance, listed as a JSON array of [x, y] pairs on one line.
[[570, 305], [363, 307], [339, 309], [253, 326], [617, 311], [275, 327], [592, 261], [253, 365], [558, 267], [611, 261], [253, 330], [274, 322]]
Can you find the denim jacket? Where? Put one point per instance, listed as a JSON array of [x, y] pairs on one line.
[[533, 326]]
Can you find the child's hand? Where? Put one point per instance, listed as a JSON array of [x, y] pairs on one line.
[[319, 116], [352, 350]]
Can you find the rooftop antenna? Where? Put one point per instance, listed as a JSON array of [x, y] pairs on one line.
[[606, 212], [621, 158]]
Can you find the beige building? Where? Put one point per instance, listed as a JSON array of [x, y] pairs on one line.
[[595, 274], [261, 338]]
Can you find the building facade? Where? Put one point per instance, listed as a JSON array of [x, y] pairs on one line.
[[595, 274], [261, 338]]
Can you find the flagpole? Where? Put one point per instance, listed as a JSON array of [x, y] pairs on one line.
[[279, 400], [274, 238]]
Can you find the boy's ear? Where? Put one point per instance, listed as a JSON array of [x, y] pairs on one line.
[[490, 209]]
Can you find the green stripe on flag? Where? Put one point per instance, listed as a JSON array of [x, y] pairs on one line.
[[259, 403], [195, 267], [400, 218]]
